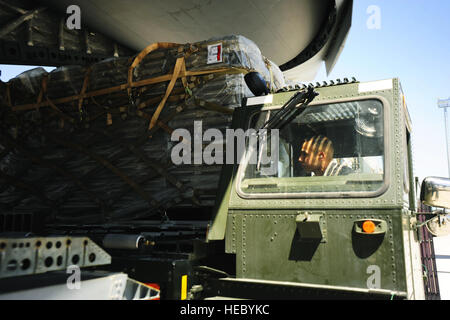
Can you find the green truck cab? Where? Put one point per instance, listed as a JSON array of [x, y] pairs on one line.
[[352, 234]]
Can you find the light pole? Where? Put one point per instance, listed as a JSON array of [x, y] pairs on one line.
[[444, 104]]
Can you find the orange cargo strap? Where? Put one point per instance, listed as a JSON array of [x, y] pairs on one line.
[[109, 119], [84, 88], [8, 94], [161, 124], [183, 78], [61, 114], [176, 72], [43, 94], [180, 65], [172, 98], [43, 90], [143, 54], [213, 106]]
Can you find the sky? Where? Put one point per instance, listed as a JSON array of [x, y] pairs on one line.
[[412, 44]]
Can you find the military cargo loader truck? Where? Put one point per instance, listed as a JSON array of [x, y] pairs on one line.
[[352, 233], [329, 213], [297, 192]]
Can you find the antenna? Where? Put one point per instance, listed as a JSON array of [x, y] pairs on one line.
[[445, 104]]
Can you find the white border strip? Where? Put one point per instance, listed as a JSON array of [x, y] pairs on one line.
[[254, 101], [375, 86]]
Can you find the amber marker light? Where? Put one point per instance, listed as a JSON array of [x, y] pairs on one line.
[[368, 226]]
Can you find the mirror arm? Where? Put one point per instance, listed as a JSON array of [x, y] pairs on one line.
[[434, 213], [420, 225]]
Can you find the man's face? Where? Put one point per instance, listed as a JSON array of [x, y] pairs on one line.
[[309, 159], [314, 155]]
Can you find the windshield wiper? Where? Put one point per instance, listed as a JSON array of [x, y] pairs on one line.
[[291, 109], [288, 112]]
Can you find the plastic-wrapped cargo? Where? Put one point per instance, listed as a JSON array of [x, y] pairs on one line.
[[94, 144]]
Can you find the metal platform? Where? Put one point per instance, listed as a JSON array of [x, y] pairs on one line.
[[59, 285]]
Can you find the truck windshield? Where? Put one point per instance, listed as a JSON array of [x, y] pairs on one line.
[[331, 149]]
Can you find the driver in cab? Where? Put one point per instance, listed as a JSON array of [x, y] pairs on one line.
[[316, 158]]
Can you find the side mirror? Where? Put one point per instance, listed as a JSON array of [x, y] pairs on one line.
[[435, 192]]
